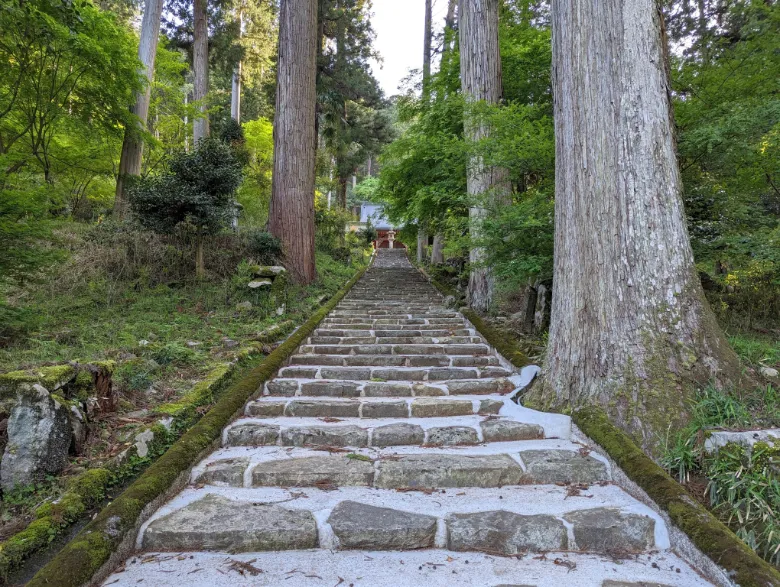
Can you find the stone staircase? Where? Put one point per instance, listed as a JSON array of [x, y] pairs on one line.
[[388, 452]]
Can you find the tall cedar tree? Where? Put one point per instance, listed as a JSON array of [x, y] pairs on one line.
[[488, 187], [133, 146], [631, 330], [291, 214], [200, 66]]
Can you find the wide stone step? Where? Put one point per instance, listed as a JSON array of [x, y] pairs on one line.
[[498, 521], [379, 432], [393, 361], [390, 469], [364, 340], [385, 348], [429, 568], [390, 322], [366, 388], [318, 407], [394, 332], [392, 373]]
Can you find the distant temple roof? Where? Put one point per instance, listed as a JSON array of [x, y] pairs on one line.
[[374, 212]]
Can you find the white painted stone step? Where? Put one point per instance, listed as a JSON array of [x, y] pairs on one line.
[[425, 568], [508, 520]]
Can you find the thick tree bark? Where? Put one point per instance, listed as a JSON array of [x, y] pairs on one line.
[[428, 35], [437, 254], [235, 96], [488, 187], [630, 327], [291, 215], [343, 193], [422, 245], [200, 65], [133, 146]]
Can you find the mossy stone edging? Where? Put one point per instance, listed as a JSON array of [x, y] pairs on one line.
[[708, 533], [88, 489], [84, 556]]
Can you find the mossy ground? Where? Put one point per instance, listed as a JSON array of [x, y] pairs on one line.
[[167, 378], [81, 558]]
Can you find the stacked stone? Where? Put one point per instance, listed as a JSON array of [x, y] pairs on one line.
[[391, 431]]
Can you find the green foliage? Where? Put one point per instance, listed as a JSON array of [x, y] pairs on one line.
[[197, 191], [263, 246], [255, 193], [743, 488]]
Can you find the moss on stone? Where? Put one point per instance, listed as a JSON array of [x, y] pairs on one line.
[[83, 556], [49, 377], [83, 493], [711, 536]]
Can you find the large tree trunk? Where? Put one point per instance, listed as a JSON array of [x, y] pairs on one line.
[[200, 65], [132, 147], [291, 215], [630, 327], [343, 193], [422, 245], [437, 254], [426, 81], [488, 187], [235, 97]]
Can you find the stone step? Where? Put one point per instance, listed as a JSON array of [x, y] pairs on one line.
[[505, 521], [506, 463], [364, 340], [429, 568], [392, 373], [378, 432], [394, 333], [405, 314], [429, 407], [404, 323], [385, 348], [282, 387], [393, 361]]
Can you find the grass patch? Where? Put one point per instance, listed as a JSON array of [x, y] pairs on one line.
[[741, 486]]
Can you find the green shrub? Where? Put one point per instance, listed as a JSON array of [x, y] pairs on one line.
[[173, 353], [264, 247]]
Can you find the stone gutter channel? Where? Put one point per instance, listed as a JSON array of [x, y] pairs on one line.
[[245, 449]]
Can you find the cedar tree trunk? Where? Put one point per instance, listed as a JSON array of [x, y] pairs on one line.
[[630, 327], [291, 215], [133, 146], [488, 187], [200, 64]]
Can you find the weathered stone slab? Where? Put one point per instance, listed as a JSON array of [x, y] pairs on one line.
[[387, 390], [323, 408], [507, 430], [252, 435], [399, 374], [264, 409], [325, 436], [375, 361], [282, 387], [331, 361], [562, 466], [399, 409], [346, 373], [611, 583], [452, 436], [610, 530], [480, 387], [490, 407], [309, 471], [298, 372], [218, 524], [361, 526], [449, 374], [447, 470], [426, 361], [397, 435], [331, 389], [225, 472], [434, 407], [505, 532], [494, 372], [421, 390]]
